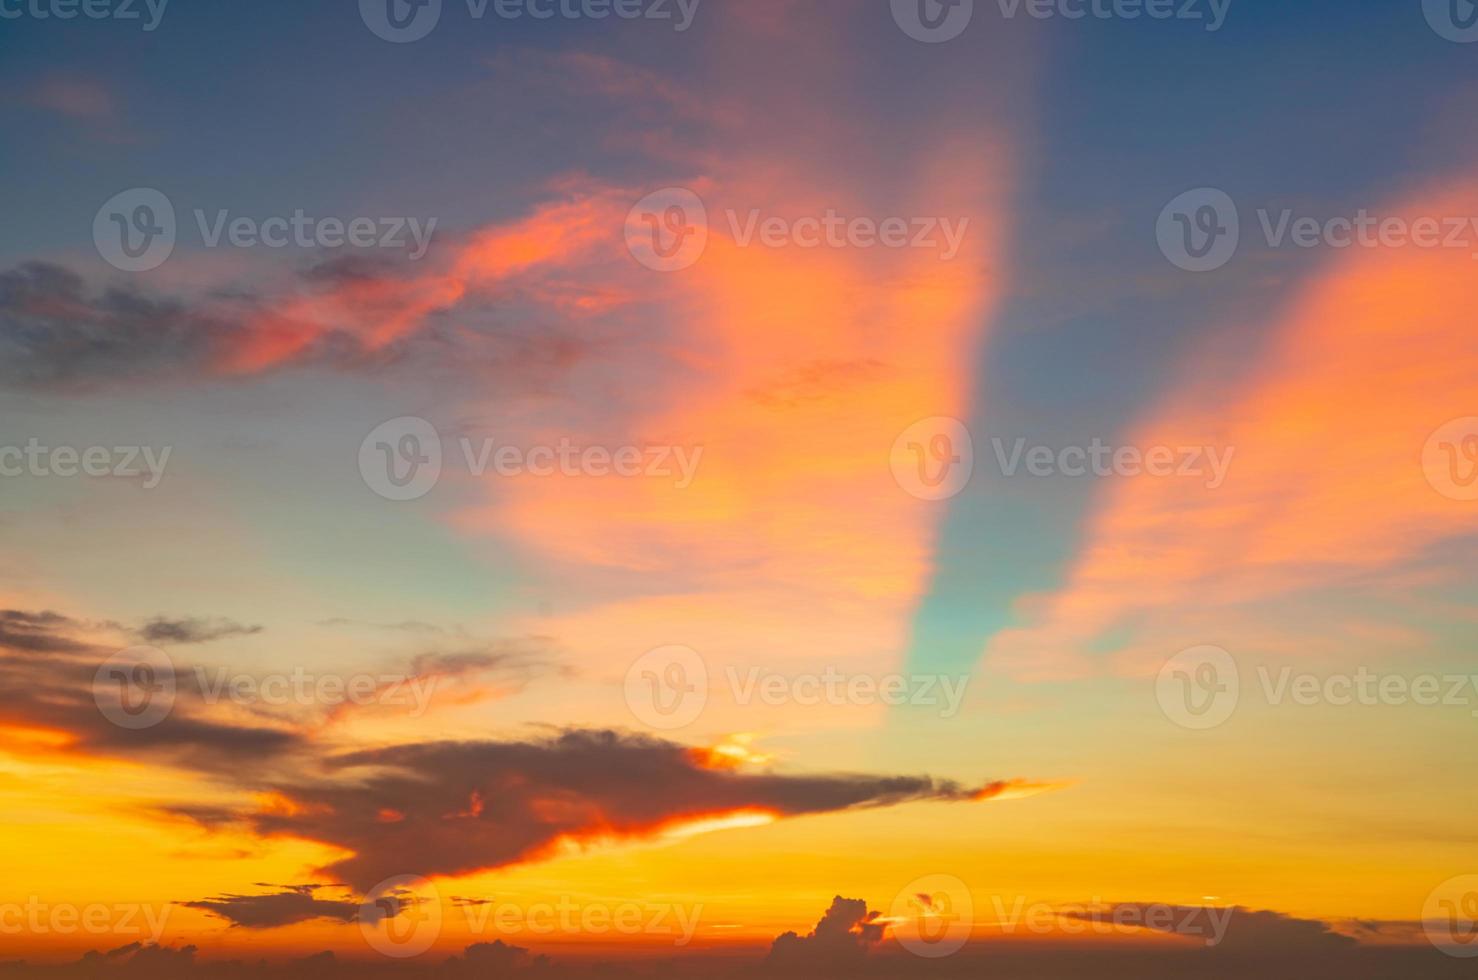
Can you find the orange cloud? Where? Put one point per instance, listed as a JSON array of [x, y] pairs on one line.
[[1368, 362]]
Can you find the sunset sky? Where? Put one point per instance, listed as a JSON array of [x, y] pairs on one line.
[[798, 462]]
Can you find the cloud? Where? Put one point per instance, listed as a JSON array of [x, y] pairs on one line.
[[296, 903], [1224, 928], [194, 629], [48, 667], [846, 933], [38, 632], [1305, 505], [345, 312], [430, 808], [454, 808]]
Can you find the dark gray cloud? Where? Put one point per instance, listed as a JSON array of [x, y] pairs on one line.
[[194, 629], [450, 808], [57, 331], [846, 934], [292, 904], [48, 672], [39, 632], [1225, 928]]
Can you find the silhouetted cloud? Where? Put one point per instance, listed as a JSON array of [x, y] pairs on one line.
[[295, 903], [193, 629], [1225, 928], [845, 934], [452, 808]]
